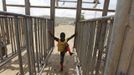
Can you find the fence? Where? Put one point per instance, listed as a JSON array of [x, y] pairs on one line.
[[25, 35], [91, 44]]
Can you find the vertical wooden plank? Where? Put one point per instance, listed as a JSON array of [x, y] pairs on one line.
[[128, 43], [44, 38], [4, 5], [131, 65], [101, 45], [18, 45], [94, 58], [52, 16], [78, 11], [31, 46], [36, 42], [119, 34], [90, 46], [10, 34], [78, 16], [52, 11], [27, 7], [28, 45]]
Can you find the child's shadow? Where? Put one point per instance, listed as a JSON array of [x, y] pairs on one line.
[[53, 66]]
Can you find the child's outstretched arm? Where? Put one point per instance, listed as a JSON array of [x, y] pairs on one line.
[[71, 37], [55, 38]]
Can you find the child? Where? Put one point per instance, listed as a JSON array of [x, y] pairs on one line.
[[63, 46]]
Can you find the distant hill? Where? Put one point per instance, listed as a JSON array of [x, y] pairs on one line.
[[63, 20]]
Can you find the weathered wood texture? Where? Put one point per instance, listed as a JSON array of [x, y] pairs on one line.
[[26, 33], [91, 43], [120, 55]]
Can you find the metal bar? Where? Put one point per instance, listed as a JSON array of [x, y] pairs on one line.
[[18, 46]]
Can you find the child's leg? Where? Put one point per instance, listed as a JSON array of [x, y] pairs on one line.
[[69, 50], [62, 54]]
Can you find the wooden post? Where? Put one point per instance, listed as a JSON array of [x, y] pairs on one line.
[[78, 15], [18, 46], [78, 11], [52, 11], [105, 7], [27, 7], [52, 15], [122, 40], [4, 5]]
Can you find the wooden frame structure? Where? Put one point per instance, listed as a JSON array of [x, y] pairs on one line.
[[98, 45], [53, 7]]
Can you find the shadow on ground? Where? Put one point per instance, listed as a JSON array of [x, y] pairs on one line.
[[53, 66]]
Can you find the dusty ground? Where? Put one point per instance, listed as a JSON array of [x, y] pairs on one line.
[[53, 67]]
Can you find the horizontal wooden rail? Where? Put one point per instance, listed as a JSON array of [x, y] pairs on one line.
[[16, 14], [33, 6]]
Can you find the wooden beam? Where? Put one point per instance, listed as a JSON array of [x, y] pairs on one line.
[[52, 10], [4, 5], [27, 7], [75, 1], [78, 11], [122, 42], [105, 8], [73, 8], [52, 14], [78, 15]]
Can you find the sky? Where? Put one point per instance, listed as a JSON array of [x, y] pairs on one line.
[[59, 12]]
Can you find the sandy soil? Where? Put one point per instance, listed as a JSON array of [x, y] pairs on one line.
[[53, 67]]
